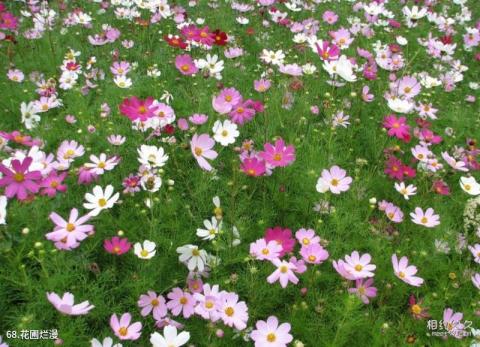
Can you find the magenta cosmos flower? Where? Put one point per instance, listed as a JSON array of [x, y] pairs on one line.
[[123, 329], [53, 183], [278, 154], [19, 181], [68, 235], [253, 167], [364, 290], [284, 273], [184, 63], [283, 237], [117, 245], [270, 334], [405, 272], [201, 146], [138, 109], [66, 304], [397, 127]]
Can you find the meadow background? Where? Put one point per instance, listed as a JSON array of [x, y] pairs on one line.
[[327, 315]]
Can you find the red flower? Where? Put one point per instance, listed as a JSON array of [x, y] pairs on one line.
[[220, 38], [175, 41]]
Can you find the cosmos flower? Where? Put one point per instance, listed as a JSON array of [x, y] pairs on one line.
[[138, 109], [19, 181], [152, 303], [170, 337], [201, 146], [284, 273], [270, 334], [123, 328], [184, 63], [334, 179], [278, 154], [117, 245], [66, 305], [428, 218], [406, 272], [364, 290]]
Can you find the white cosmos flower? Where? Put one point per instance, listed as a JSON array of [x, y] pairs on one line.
[[341, 67], [151, 183], [225, 133], [30, 118], [100, 200], [122, 81], [211, 229], [193, 257], [406, 191], [101, 164], [152, 156], [107, 342], [3, 209], [145, 251], [399, 105], [470, 185], [170, 337]]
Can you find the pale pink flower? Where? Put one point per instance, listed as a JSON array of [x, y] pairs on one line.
[[406, 272]]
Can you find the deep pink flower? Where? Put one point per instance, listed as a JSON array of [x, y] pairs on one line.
[[53, 183], [441, 187], [282, 237], [184, 63], [17, 137], [135, 108], [328, 51], [117, 245], [397, 127], [253, 167], [242, 113], [278, 154], [19, 181]]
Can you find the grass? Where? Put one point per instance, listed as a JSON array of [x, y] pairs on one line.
[[327, 315]]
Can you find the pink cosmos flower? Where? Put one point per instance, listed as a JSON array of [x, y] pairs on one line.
[[397, 127], [452, 322], [261, 85], [53, 183], [407, 87], [364, 290], [184, 63], [152, 302], [314, 254], [476, 280], [307, 237], [284, 273], [137, 109], [233, 313], [329, 17], [394, 213], [300, 266], [19, 181], [475, 250], [283, 237], [334, 179], [270, 334], [406, 272], [328, 51], [253, 167], [120, 68], [198, 119], [359, 266], [226, 100], [201, 146], [341, 37], [366, 96], [208, 303], [428, 218], [116, 140], [340, 268], [181, 302], [278, 154], [123, 329], [263, 250], [66, 304], [242, 112], [67, 235], [117, 245]]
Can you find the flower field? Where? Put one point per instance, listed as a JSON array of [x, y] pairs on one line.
[[232, 173]]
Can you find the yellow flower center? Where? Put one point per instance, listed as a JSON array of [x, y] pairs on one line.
[[306, 241], [155, 302], [358, 267], [283, 269], [277, 157], [271, 337], [229, 311], [102, 202], [198, 151], [424, 220], [228, 98], [401, 274], [102, 165], [195, 252], [265, 251], [416, 309], [185, 67], [312, 258], [183, 300], [123, 331], [70, 227], [208, 304], [19, 177], [334, 182], [144, 253]]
